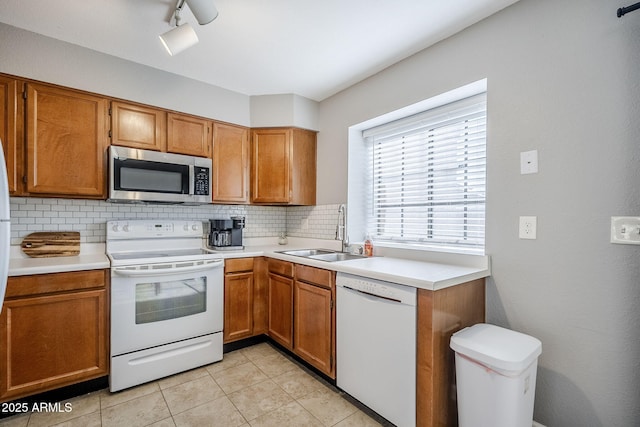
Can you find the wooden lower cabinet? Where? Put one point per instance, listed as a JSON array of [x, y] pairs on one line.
[[314, 317], [238, 299], [53, 332], [440, 314], [245, 298], [260, 296], [281, 302]]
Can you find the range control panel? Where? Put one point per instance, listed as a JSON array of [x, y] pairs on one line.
[[150, 229]]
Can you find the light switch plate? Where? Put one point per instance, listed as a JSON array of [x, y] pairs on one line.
[[528, 227], [625, 230], [529, 162]]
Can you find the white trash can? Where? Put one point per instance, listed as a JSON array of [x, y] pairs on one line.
[[496, 376]]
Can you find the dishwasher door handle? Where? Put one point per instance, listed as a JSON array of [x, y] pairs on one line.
[[371, 296]]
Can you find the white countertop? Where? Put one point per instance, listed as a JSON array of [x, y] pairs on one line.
[[418, 274], [422, 274], [92, 257]]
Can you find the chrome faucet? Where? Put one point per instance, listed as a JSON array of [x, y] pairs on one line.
[[341, 229]]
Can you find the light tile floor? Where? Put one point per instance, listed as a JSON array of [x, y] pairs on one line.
[[254, 386]]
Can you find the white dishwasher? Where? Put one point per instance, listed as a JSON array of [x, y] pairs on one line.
[[376, 345]]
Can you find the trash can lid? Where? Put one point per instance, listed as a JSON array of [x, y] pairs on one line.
[[506, 351]]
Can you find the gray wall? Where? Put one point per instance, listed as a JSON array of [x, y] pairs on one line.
[[26, 54], [30, 55], [563, 78]]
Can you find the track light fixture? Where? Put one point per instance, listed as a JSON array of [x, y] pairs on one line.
[[204, 10], [183, 36]]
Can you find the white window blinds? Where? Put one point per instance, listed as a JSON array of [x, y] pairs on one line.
[[428, 177]]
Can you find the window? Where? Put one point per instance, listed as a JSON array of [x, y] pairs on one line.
[[426, 177]]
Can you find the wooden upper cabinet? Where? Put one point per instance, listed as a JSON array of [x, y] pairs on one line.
[[188, 135], [66, 135], [230, 163], [283, 166], [10, 130], [137, 126]]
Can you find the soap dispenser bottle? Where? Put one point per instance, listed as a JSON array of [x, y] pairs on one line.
[[368, 246]]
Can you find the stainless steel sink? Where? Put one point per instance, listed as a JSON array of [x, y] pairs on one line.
[[336, 256], [307, 252], [322, 254]]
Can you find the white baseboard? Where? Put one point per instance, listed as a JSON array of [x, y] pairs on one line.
[[535, 424]]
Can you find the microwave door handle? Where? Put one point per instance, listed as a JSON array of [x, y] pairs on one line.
[[160, 272], [192, 178]]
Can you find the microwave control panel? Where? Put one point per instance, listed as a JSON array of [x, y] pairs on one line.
[[201, 184]]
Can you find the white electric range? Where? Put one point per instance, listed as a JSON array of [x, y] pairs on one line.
[[167, 300]]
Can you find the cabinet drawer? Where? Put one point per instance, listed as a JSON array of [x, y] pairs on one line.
[[37, 284], [282, 268], [235, 265], [314, 275]]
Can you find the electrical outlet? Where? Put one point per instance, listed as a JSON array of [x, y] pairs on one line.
[[625, 230], [529, 162], [528, 227]]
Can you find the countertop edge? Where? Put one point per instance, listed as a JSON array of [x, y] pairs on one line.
[[465, 274], [93, 257]]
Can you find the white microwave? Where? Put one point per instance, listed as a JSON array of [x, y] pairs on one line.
[[146, 176]]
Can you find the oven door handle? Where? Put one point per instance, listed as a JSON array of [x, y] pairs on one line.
[[123, 271]]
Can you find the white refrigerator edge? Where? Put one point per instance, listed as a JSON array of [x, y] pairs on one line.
[[5, 226]]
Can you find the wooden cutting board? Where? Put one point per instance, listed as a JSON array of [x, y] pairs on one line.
[[51, 244]]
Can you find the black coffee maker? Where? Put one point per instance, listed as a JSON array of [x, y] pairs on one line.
[[226, 234]]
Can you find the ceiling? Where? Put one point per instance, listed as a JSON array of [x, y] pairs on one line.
[[312, 48]]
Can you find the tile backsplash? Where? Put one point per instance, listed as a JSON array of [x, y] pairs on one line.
[[318, 222], [29, 214]]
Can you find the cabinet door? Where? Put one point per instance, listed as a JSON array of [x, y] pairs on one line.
[[283, 166], [238, 306], [313, 326], [188, 135], [303, 167], [138, 126], [280, 309], [66, 142], [270, 167], [230, 164], [260, 296], [52, 341], [9, 128]]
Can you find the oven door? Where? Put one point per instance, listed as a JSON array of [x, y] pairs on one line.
[[157, 304]]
